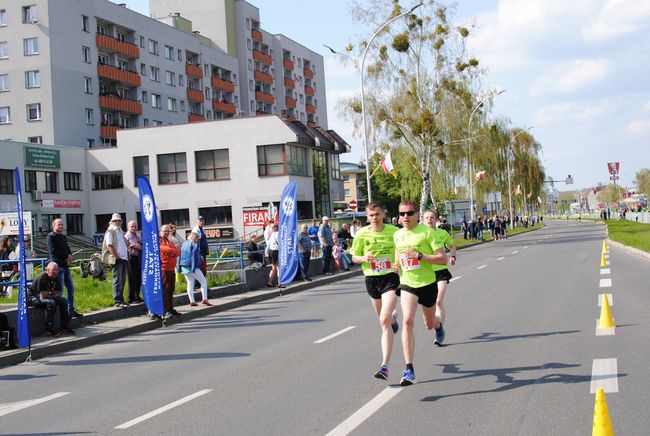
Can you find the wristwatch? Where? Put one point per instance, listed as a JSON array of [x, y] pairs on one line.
[[419, 256], [453, 257]]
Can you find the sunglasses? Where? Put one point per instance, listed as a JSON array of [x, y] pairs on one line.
[[409, 213]]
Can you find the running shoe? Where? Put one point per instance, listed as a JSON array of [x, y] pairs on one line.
[[382, 373], [408, 378], [395, 324], [440, 336]]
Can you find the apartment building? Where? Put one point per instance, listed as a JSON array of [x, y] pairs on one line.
[[354, 183]]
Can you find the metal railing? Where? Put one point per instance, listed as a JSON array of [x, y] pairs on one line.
[[4, 283]]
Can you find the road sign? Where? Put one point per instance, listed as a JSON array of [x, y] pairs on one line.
[[353, 204]]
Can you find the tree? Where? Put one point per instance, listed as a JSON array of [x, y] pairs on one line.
[[611, 194], [642, 181]]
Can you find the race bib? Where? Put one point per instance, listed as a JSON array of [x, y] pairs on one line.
[[408, 264], [381, 265]]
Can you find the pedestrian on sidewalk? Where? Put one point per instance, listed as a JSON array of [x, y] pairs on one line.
[[189, 264], [326, 238], [304, 249], [60, 253], [115, 253], [134, 245], [273, 247], [169, 253]]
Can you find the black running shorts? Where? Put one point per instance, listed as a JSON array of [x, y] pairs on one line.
[[443, 275], [427, 295], [377, 285]]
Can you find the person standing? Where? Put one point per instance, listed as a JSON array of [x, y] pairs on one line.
[[416, 251], [273, 247], [115, 253], [59, 250], [327, 242], [169, 253], [134, 245], [313, 235], [203, 243], [374, 248], [304, 249], [189, 264]]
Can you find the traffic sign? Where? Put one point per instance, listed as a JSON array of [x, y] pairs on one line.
[[353, 204]]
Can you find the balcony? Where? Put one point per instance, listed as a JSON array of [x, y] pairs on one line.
[[195, 118], [263, 77], [113, 73], [259, 56], [194, 70], [309, 91], [289, 83], [117, 103], [222, 84], [195, 96], [311, 109], [257, 35], [311, 124], [223, 106], [288, 64], [115, 45], [308, 73], [109, 132], [290, 102], [264, 97]]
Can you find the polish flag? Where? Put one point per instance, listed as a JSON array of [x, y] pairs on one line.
[[387, 165], [480, 175]]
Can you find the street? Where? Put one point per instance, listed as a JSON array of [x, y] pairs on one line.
[[518, 358]]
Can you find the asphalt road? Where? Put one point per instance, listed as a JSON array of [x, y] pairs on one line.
[[518, 359]]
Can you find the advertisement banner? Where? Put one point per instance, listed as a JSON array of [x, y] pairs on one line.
[[256, 216], [613, 167], [61, 204], [151, 266], [42, 158], [288, 234], [22, 321], [9, 223]]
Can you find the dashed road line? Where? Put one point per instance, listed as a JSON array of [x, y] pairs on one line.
[[453, 279], [333, 335], [481, 267], [605, 283], [605, 271], [7, 408], [525, 246], [605, 332], [501, 258], [515, 252], [604, 374], [610, 299]]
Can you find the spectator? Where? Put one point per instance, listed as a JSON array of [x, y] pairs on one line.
[[253, 250], [203, 242], [5, 250], [304, 248], [115, 253], [345, 237], [189, 264], [174, 237], [465, 227], [327, 242], [394, 221], [46, 292], [273, 248], [313, 236], [340, 258], [356, 225], [169, 253], [59, 251], [134, 245]]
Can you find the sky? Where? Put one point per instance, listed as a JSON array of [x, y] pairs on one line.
[[576, 70]]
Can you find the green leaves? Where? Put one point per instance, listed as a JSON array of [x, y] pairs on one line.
[[401, 42]]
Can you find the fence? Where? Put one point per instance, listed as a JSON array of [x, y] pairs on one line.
[[7, 276]]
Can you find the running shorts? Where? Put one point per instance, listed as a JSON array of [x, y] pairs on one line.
[[377, 285], [443, 275], [427, 295]]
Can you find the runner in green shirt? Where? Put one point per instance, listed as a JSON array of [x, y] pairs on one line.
[[374, 249], [416, 253]]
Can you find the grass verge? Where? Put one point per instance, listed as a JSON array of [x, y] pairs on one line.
[[460, 242], [630, 233]]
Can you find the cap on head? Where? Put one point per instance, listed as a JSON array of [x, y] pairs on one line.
[[200, 218], [326, 218], [116, 217]]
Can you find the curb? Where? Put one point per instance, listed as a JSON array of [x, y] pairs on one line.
[[629, 249]]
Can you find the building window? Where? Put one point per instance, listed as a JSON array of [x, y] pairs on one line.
[[155, 101], [172, 168], [30, 181], [182, 105], [32, 79], [6, 181], [157, 123], [72, 181], [144, 97], [107, 180], [51, 181], [29, 14], [35, 139], [179, 217], [90, 143], [154, 74], [170, 79], [4, 115], [212, 165], [4, 51], [153, 47], [3, 17], [145, 122], [74, 223], [84, 23], [216, 215], [298, 162], [169, 52], [30, 46], [140, 167], [90, 117], [34, 112], [171, 104], [102, 221], [180, 54], [270, 160], [4, 82], [346, 178], [141, 41], [181, 80], [208, 94], [88, 85], [248, 44], [85, 54], [336, 167], [143, 69]]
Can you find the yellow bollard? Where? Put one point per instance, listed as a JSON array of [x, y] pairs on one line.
[[602, 424], [606, 320], [603, 261]]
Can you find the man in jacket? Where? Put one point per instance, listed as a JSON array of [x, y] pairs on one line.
[[57, 246], [119, 258]]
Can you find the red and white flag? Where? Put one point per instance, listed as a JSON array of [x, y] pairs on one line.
[[387, 165], [480, 175], [518, 190], [539, 200]]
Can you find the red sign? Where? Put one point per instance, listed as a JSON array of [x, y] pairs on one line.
[[61, 204], [613, 167], [613, 177], [353, 204], [256, 216]]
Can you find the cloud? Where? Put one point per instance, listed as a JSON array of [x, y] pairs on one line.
[[618, 17], [577, 111], [646, 106], [639, 127], [571, 76], [336, 67]]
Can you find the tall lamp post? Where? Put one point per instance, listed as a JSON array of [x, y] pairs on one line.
[[469, 150], [363, 92], [512, 140]]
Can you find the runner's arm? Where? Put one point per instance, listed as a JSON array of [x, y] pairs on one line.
[[439, 257]]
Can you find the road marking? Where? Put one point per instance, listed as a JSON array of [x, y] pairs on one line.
[[525, 246], [333, 335], [501, 258], [481, 267], [605, 283], [162, 409], [7, 408], [604, 374], [610, 299], [515, 252], [605, 271], [605, 332], [455, 278], [358, 417]]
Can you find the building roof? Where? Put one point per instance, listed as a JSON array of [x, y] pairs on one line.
[[349, 167]]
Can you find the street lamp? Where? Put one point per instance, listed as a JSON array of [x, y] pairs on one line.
[[469, 150], [363, 92], [512, 140]]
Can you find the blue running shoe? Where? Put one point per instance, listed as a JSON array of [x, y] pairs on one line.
[[382, 373], [440, 336], [395, 324], [408, 378]]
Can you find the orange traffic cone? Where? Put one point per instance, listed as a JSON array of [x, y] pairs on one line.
[[606, 321], [602, 424]]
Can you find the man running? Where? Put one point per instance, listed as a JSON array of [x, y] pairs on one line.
[[430, 219], [416, 253], [373, 247]]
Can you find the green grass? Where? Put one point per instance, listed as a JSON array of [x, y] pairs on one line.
[[460, 242], [92, 295], [630, 233]]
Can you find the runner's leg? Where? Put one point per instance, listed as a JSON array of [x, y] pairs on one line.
[[387, 303], [409, 303], [440, 307]]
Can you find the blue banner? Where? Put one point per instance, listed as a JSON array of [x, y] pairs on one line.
[[22, 317], [151, 266], [288, 234]]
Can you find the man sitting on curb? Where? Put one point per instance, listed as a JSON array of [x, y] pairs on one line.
[[46, 292]]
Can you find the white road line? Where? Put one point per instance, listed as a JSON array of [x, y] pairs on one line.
[[455, 278], [604, 374], [333, 335], [7, 408], [525, 246], [605, 332], [605, 283], [501, 258], [358, 417], [605, 271], [610, 299], [515, 252], [481, 267], [162, 409]]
